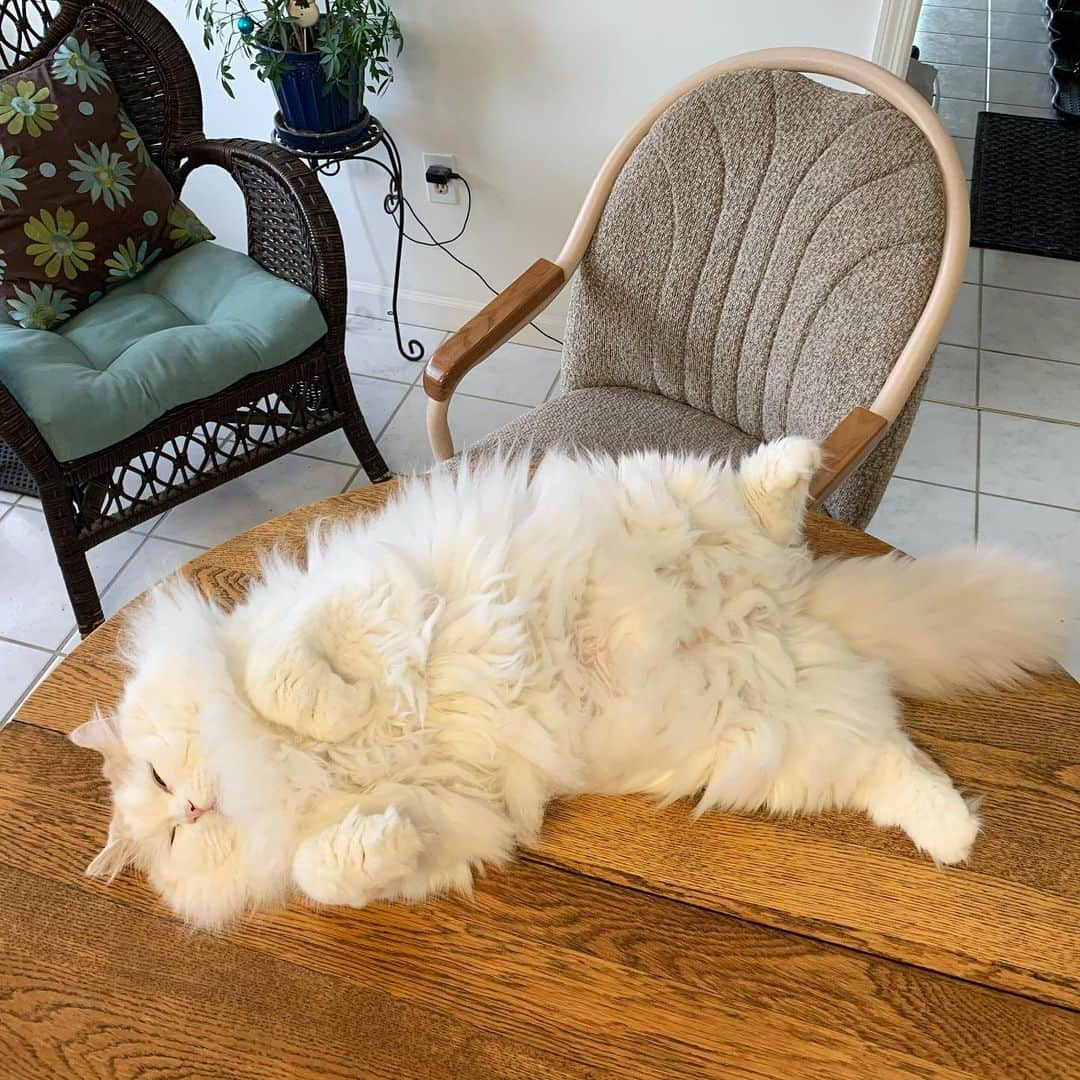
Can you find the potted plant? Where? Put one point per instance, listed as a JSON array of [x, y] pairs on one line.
[[319, 63]]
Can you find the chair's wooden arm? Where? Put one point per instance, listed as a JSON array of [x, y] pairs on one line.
[[846, 447], [488, 329]]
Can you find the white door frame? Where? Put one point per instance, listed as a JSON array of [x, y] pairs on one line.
[[895, 33]]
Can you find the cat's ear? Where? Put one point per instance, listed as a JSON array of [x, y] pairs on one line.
[[775, 483], [101, 734], [98, 733], [114, 856], [111, 859]]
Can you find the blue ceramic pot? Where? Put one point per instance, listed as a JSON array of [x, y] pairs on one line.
[[302, 97]]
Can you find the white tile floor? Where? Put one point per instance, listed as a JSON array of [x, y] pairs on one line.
[[992, 457]]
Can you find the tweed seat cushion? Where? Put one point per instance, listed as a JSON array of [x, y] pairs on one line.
[[617, 419], [188, 327]]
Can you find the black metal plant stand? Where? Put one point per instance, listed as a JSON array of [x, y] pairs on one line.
[[325, 152]]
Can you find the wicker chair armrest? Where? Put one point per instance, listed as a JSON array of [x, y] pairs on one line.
[[293, 231], [21, 434]]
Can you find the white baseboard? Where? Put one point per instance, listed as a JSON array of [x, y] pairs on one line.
[[441, 312]]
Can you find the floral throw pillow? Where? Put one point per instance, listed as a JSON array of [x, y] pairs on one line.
[[83, 208]]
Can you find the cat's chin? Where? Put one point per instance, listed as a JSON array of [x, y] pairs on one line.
[[207, 880], [207, 900]]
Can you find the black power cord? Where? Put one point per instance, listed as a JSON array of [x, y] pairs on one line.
[[441, 174]]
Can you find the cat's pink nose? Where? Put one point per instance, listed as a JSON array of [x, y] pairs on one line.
[[195, 812]]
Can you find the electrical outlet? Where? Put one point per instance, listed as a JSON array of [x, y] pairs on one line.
[[449, 193]]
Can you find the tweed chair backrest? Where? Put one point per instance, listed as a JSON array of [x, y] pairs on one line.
[[763, 256]]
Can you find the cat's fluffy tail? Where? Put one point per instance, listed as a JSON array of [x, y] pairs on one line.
[[961, 620]]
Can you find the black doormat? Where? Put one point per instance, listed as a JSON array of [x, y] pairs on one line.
[[1025, 191], [13, 473]]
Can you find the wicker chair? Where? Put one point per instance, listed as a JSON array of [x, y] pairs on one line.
[[292, 233], [761, 255]]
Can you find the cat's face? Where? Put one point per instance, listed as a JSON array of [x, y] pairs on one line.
[[168, 817], [174, 812]]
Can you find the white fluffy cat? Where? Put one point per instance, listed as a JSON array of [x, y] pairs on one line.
[[385, 721]]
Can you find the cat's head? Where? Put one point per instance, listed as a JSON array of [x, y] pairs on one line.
[[174, 756]]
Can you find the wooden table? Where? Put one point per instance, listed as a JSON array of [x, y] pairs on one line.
[[631, 941]]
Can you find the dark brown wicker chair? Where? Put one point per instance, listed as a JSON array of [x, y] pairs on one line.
[[292, 233]]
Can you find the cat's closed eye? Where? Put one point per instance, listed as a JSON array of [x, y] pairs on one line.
[[157, 780]]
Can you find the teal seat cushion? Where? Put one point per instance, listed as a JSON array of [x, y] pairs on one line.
[[191, 325]]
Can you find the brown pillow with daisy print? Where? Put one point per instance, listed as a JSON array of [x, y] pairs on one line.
[[82, 206]]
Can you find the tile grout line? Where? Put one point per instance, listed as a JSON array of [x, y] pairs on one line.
[[976, 37], [458, 394], [994, 67], [506, 401], [1000, 352], [147, 537], [352, 477], [1022, 356], [988, 494], [382, 431], [551, 388], [126, 563], [178, 543], [381, 378], [26, 644], [10, 714], [375, 437]]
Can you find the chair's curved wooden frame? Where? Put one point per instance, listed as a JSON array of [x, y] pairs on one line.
[[859, 432]]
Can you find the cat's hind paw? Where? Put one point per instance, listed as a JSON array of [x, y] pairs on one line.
[[775, 481], [950, 835], [909, 790]]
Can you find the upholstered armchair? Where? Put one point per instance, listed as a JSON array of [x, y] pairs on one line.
[[761, 255], [150, 396]]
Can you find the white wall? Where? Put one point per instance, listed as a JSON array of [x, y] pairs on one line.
[[529, 96]]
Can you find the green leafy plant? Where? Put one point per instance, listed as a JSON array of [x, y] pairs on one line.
[[350, 34]]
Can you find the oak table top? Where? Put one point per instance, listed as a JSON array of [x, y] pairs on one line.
[[630, 941]]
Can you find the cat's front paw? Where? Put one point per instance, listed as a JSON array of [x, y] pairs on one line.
[[389, 842], [295, 686], [356, 860]]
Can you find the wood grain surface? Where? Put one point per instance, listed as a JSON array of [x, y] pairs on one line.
[[630, 942]]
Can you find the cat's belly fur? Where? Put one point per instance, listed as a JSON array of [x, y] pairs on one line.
[[739, 719], [627, 638], [689, 662]]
